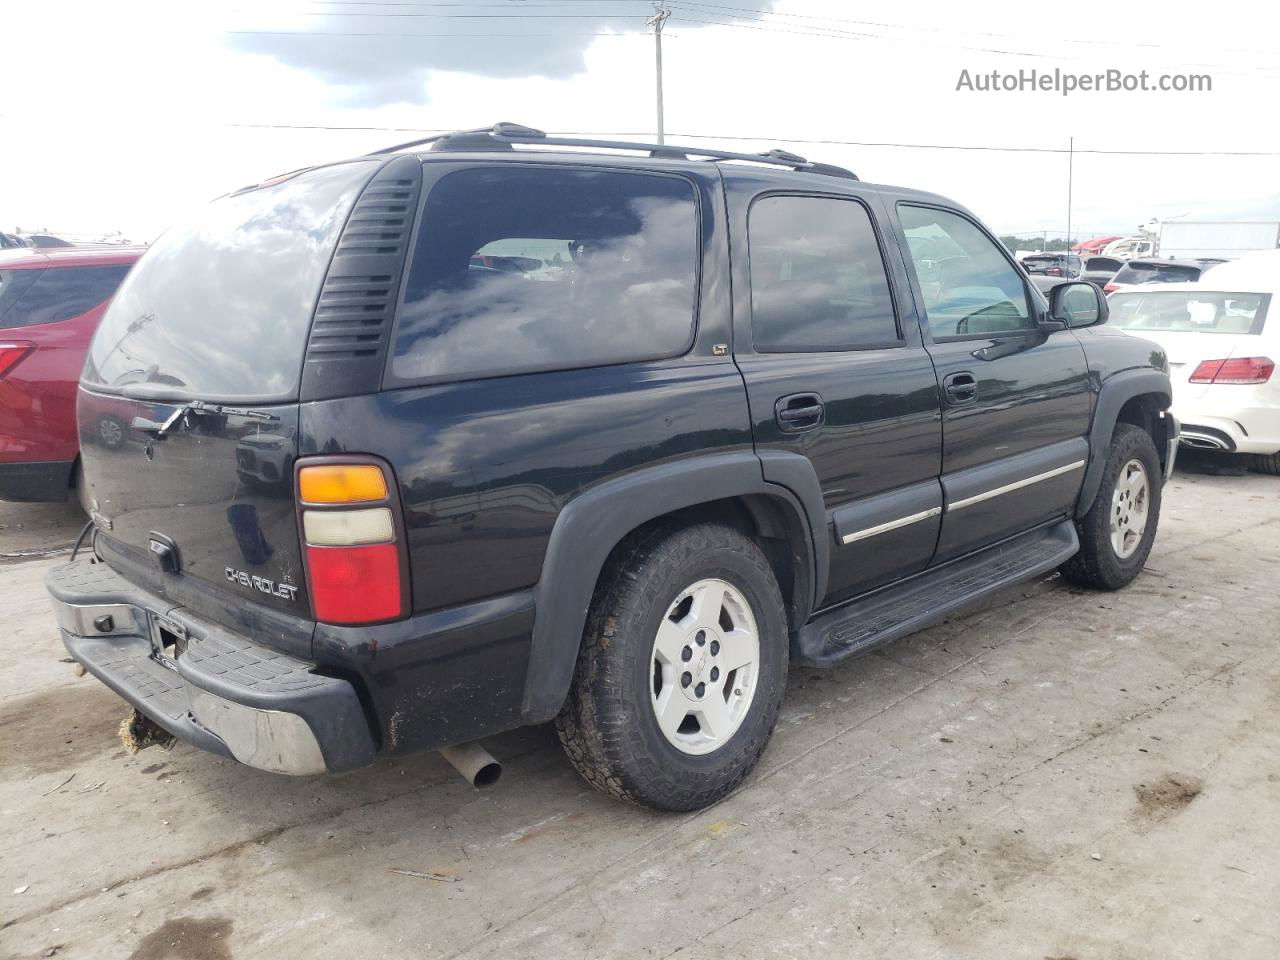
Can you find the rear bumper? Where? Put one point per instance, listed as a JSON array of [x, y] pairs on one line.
[[1172, 435], [212, 688], [40, 481], [1250, 431]]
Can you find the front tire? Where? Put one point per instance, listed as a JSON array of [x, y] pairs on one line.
[[1117, 533], [682, 668]]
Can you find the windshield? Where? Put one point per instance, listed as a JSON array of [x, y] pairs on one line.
[[220, 306], [1179, 311]]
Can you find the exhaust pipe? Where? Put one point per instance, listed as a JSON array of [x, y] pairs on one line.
[[474, 762]]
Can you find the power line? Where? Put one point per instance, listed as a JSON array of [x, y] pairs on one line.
[[832, 33], [837, 143], [948, 30], [436, 36]]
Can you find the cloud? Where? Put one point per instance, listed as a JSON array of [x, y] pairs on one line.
[[385, 56]]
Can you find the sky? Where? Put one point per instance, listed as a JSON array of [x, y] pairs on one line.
[[120, 116]]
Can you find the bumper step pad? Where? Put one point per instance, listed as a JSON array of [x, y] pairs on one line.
[[255, 701]]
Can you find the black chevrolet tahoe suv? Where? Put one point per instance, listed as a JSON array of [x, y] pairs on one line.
[[506, 429]]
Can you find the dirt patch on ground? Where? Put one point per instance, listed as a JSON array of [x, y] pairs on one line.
[[58, 729], [186, 938], [1167, 796]]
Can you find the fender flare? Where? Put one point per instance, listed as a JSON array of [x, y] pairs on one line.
[[1114, 394], [593, 523]]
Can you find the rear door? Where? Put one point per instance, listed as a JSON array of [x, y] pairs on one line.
[[188, 406], [1016, 401], [835, 370]]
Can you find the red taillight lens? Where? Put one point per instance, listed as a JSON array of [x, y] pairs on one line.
[[11, 354], [351, 530], [1109, 288], [1235, 370], [355, 584]]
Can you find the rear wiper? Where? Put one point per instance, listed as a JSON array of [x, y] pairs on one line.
[[199, 408]]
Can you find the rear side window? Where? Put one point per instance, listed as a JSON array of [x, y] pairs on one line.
[[818, 280], [61, 293], [220, 306], [521, 269]]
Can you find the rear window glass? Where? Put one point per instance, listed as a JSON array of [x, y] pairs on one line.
[[61, 293], [12, 284], [817, 277], [1178, 311], [1156, 273], [219, 307], [537, 268]]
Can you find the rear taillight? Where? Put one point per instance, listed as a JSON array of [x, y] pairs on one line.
[[11, 355], [353, 541], [1110, 288], [1234, 370]]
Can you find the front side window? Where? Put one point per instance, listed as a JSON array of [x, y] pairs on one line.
[[62, 293], [519, 269], [818, 281], [969, 288]]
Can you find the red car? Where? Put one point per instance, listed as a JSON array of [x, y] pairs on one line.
[[50, 303]]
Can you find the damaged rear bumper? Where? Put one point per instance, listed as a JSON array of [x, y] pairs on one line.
[[204, 684]]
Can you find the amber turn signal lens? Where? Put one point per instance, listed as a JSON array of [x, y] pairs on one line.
[[341, 483]]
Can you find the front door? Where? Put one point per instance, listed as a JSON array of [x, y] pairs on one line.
[[834, 373], [1015, 397]]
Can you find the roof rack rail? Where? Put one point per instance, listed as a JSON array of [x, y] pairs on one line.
[[501, 136]]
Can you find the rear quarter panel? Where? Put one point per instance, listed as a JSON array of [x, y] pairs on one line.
[[38, 397]]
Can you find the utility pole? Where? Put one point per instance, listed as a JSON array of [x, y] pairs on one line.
[[1071, 161], [660, 16]]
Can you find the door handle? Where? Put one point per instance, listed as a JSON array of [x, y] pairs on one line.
[[961, 387], [799, 412]]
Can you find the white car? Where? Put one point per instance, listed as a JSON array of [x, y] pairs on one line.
[[1223, 342]]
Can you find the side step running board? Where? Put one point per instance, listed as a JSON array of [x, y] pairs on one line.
[[929, 596]]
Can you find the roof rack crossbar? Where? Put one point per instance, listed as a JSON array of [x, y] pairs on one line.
[[505, 134]]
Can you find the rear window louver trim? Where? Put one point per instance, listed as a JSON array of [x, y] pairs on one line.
[[356, 306]]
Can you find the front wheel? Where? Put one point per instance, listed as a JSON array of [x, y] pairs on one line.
[[1117, 533], [682, 669]]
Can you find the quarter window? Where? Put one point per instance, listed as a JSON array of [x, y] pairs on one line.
[[818, 280], [536, 268], [969, 287]]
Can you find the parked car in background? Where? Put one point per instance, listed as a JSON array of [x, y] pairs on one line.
[[1100, 270], [50, 305], [1253, 269], [1127, 248], [1066, 266], [385, 497], [1152, 270], [1223, 341], [11, 241]]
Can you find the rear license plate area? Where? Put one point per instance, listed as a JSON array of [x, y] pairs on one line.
[[168, 640]]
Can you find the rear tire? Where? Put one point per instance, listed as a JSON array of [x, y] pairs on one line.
[[1267, 463], [666, 710], [1117, 533]]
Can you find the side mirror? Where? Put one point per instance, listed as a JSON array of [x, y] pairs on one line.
[[1078, 304]]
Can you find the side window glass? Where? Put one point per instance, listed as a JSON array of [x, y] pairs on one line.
[[521, 269], [969, 288], [818, 279], [61, 293]]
